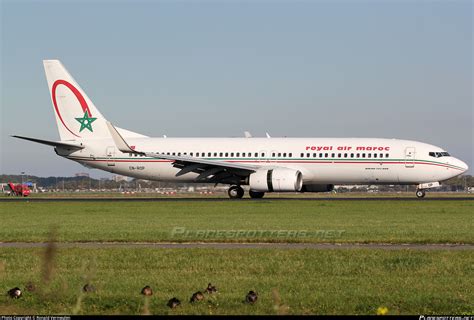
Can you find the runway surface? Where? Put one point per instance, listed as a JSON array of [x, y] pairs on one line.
[[137, 199], [285, 246]]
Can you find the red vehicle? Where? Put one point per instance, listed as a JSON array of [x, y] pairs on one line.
[[19, 190]]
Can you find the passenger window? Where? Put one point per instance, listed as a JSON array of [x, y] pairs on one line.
[[220, 154], [333, 155], [369, 155], [302, 155], [381, 155], [320, 155], [339, 155], [232, 154], [238, 155], [326, 155], [375, 155], [363, 155], [308, 155], [226, 154], [249, 155], [314, 155], [284, 155], [273, 154], [174, 153], [290, 155], [358, 155], [345, 155], [386, 155], [263, 154]]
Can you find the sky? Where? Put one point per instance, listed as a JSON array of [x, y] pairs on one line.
[[387, 69]]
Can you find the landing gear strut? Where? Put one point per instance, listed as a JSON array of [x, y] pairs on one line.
[[256, 194], [420, 193], [235, 192]]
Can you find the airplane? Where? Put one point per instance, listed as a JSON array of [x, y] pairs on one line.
[[263, 164]]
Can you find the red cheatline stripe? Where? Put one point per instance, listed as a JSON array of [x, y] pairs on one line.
[[291, 161]]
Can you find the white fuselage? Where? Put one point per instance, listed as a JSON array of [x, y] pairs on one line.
[[320, 160]]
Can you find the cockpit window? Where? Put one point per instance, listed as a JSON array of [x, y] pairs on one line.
[[439, 154]]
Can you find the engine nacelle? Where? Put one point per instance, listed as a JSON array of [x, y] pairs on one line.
[[317, 187], [278, 179]]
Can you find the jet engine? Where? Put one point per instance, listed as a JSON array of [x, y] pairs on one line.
[[279, 179]]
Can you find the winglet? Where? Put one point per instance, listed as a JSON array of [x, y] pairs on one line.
[[120, 142]]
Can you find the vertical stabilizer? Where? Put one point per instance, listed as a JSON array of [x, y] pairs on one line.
[[76, 116]]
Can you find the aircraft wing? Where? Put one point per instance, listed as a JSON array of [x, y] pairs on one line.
[[208, 170]]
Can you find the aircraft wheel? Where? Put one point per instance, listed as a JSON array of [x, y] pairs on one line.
[[235, 192], [420, 193], [256, 194]]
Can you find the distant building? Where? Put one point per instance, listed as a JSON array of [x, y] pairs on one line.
[[119, 178], [82, 174]]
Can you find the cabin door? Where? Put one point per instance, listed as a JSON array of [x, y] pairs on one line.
[[410, 157]]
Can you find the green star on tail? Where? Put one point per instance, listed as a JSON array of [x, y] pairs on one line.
[[86, 122]]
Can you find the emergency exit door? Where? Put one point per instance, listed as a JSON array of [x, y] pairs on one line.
[[110, 152]]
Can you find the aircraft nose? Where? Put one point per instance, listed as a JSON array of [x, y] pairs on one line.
[[462, 164]]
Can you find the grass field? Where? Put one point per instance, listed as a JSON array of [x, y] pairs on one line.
[[308, 281], [245, 221]]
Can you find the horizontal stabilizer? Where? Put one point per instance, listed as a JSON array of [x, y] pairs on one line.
[[62, 144]]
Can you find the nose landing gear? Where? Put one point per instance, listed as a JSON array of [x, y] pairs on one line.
[[420, 193], [235, 192]]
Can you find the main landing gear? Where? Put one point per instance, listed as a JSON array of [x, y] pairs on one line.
[[420, 193], [235, 192], [256, 194]]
